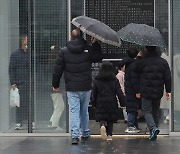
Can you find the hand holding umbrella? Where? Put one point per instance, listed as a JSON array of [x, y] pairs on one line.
[[93, 39]]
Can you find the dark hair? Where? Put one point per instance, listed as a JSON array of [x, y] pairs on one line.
[[151, 48], [132, 52], [121, 64], [106, 72]]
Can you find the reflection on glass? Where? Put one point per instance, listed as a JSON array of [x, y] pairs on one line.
[[176, 62], [19, 78], [165, 104], [176, 76], [50, 32]]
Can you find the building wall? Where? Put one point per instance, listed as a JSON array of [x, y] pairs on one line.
[[9, 16], [49, 28]]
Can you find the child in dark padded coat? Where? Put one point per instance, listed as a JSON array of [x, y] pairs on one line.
[[106, 89], [132, 91]]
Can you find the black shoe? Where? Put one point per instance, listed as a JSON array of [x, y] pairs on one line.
[[75, 140], [84, 138]]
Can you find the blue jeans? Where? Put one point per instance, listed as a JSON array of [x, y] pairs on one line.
[[79, 117], [132, 119]]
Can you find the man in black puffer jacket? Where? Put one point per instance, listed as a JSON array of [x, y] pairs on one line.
[[154, 74], [75, 62]]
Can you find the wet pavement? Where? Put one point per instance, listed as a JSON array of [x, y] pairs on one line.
[[62, 145]]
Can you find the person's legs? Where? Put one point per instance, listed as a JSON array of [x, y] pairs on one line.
[[18, 115], [155, 111], [74, 107], [147, 110], [24, 101], [132, 123], [125, 115], [103, 123], [149, 107], [84, 114], [19, 110], [136, 120], [109, 128], [132, 119]]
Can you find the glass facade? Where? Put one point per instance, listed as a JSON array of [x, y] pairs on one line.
[[161, 23], [29, 67], [176, 63], [49, 34], [9, 42], [33, 63]]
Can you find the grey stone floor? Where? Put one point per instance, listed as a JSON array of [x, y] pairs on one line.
[[62, 145], [118, 129]]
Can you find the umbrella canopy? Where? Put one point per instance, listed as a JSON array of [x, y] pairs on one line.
[[141, 34], [97, 29]]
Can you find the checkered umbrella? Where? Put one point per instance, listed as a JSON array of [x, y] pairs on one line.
[[141, 34], [97, 29]]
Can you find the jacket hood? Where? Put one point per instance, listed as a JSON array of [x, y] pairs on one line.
[[128, 60], [152, 54], [78, 45]]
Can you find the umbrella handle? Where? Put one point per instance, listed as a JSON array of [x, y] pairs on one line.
[[93, 39]]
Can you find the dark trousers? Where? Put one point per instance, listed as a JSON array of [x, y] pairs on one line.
[[150, 110], [132, 119], [22, 112], [109, 127]]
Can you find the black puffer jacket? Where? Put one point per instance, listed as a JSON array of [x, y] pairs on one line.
[[104, 99], [75, 61], [132, 85], [155, 73]]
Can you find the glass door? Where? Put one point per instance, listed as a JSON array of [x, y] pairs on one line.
[[49, 35]]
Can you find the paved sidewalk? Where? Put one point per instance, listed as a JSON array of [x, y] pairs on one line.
[[62, 145]]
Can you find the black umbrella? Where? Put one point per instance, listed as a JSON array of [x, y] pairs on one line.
[[141, 34], [97, 29]]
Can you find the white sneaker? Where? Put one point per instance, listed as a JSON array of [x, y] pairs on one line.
[[18, 126], [59, 128], [109, 138], [127, 130], [132, 130], [167, 117], [103, 132]]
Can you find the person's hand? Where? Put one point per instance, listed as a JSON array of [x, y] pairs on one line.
[[13, 86], [55, 89], [138, 95], [140, 54], [93, 40], [168, 96]]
